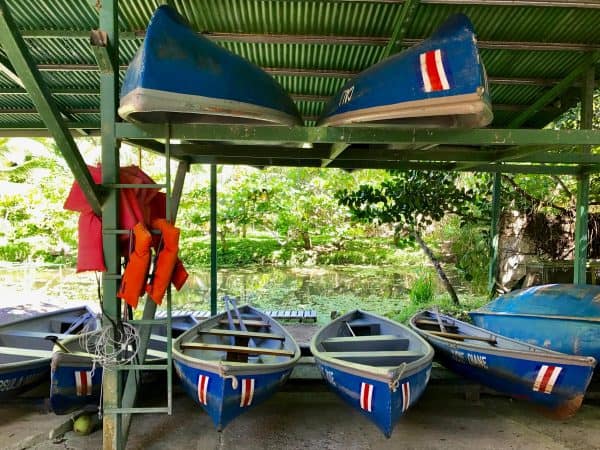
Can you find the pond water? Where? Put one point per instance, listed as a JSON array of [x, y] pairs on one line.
[[378, 289]]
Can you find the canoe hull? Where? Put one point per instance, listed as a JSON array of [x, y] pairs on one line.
[[180, 76], [226, 398], [553, 381], [225, 389], [16, 380], [563, 318], [380, 389], [388, 403], [439, 82]]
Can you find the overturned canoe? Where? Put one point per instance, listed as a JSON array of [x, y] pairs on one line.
[[554, 381], [180, 76], [560, 317], [25, 352], [378, 366], [227, 369], [439, 82], [75, 382]]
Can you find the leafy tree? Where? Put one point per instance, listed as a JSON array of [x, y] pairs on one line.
[[413, 201]]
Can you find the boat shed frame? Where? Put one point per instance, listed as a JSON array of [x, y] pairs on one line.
[[541, 57]]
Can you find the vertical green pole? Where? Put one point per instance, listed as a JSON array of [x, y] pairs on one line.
[[213, 239], [583, 185], [495, 233], [110, 174]]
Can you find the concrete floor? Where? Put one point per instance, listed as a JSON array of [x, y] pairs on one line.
[[318, 419]]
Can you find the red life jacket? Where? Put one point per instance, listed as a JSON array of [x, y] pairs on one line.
[[136, 272], [166, 260]]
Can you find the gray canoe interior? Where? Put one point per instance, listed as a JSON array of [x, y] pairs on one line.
[[362, 339]]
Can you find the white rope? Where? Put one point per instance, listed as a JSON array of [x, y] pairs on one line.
[[109, 349]]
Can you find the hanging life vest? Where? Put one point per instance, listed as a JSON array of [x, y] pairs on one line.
[[136, 272], [165, 261]]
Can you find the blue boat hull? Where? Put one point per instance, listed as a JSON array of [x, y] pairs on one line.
[[389, 403], [66, 390], [178, 75], [21, 379], [224, 399], [554, 381], [439, 82], [564, 318]]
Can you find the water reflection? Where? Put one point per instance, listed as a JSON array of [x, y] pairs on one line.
[[322, 289]]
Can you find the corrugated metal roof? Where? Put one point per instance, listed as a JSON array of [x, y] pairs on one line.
[[305, 44]]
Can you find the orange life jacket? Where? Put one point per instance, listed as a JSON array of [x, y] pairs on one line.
[[136, 271], [165, 261]]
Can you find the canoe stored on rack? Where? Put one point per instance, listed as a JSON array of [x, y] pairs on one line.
[[179, 76], [229, 366], [25, 352], [378, 366], [554, 381], [560, 317], [439, 82], [76, 382]]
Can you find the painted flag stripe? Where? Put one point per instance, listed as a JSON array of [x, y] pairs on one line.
[[83, 382], [546, 378], [202, 388], [247, 392], [366, 396], [405, 396], [433, 71]]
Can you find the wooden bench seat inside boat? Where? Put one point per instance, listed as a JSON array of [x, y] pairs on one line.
[[72, 323], [381, 342], [364, 327], [27, 352], [378, 359], [235, 349], [242, 334], [248, 323]]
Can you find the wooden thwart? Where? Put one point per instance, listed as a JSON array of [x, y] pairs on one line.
[[30, 352], [462, 337], [246, 334], [248, 323], [236, 349], [376, 354], [434, 322]]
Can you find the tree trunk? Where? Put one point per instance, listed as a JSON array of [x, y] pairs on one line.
[[438, 267], [306, 240]]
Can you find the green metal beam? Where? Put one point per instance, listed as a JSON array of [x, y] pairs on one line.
[[213, 239], [31, 79], [403, 20], [100, 44], [361, 134], [589, 61], [583, 185]]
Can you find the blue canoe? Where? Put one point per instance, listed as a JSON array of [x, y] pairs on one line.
[[439, 82], [554, 381], [378, 366], [25, 352], [180, 76], [228, 370], [561, 317], [76, 383]]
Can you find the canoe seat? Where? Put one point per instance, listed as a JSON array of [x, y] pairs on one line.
[[364, 327], [34, 334], [248, 323], [30, 352], [244, 334], [382, 342], [377, 359], [235, 349]]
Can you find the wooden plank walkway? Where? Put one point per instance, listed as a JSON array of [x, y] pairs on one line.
[[300, 315]]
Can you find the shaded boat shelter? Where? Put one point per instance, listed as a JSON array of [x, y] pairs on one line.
[[61, 62]]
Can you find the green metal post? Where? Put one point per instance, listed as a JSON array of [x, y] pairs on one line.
[[112, 436], [583, 185], [213, 239], [495, 233]]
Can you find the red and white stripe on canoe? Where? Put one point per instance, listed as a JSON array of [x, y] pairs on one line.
[[546, 377], [366, 396], [433, 71], [405, 396], [83, 382], [203, 388], [247, 392]]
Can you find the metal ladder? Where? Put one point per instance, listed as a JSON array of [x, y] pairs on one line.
[[127, 394]]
